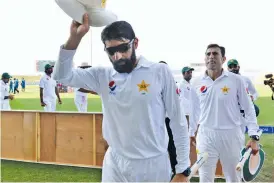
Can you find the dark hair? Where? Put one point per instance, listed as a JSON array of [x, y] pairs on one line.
[[118, 30], [162, 62], [217, 46]]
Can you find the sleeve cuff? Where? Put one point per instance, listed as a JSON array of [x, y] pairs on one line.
[[66, 53], [181, 169], [253, 131]]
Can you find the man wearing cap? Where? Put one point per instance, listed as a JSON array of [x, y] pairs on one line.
[[233, 66], [48, 90], [220, 133], [5, 96], [189, 101], [190, 104], [136, 94], [81, 94]]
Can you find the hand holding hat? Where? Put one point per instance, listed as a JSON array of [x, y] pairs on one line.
[[95, 9], [77, 32]]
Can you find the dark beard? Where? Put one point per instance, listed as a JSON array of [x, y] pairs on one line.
[[125, 65], [235, 71], [48, 72]]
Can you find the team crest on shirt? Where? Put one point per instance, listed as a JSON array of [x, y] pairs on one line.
[[225, 90], [143, 87], [203, 89], [112, 86]]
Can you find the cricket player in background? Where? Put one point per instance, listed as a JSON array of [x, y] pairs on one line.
[[189, 102], [11, 86], [5, 96], [136, 94], [233, 66], [23, 85], [48, 90], [220, 132], [16, 85], [81, 94]]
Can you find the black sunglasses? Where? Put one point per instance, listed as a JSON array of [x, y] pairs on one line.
[[122, 48]]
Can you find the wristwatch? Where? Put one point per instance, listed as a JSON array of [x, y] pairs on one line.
[[255, 137], [186, 172]]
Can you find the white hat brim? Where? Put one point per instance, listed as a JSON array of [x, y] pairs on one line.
[[98, 17]]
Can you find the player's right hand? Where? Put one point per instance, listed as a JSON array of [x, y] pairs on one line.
[[77, 32], [43, 104], [11, 97]]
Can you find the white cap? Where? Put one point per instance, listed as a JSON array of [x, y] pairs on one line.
[[98, 15]]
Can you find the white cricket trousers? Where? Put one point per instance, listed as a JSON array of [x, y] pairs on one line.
[[117, 168], [50, 105], [224, 145], [81, 103]]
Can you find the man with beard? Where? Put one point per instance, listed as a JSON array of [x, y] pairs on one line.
[[136, 95], [220, 133], [233, 66], [5, 97], [190, 105], [189, 102], [48, 90]]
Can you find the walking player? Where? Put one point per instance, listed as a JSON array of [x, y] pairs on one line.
[[136, 95], [48, 90], [81, 94], [219, 132], [5, 96]]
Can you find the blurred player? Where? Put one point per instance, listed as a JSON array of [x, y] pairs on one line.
[[136, 95], [5, 96], [23, 85], [48, 90], [189, 102], [220, 132], [233, 66], [81, 94]]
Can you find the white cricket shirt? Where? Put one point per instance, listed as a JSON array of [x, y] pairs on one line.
[[250, 87], [78, 93], [48, 85], [219, 101], [4, 92], [189, 102], [135, 105]]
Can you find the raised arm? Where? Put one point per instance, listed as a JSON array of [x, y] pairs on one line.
[[63, 69]]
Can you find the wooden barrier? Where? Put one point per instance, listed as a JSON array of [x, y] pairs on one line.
[[57, 138]]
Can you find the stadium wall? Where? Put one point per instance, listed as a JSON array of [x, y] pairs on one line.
[[63, 138]]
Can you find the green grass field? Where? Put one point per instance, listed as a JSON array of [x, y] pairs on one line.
[[29, 172]]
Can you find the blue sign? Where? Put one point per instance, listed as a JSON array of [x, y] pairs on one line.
[[265, 129]]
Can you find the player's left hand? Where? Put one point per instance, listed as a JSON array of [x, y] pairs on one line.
[[59, 101], [254, 145], [180, 178]]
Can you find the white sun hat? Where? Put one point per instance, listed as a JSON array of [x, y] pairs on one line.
[[96, 9], [84, 65]]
